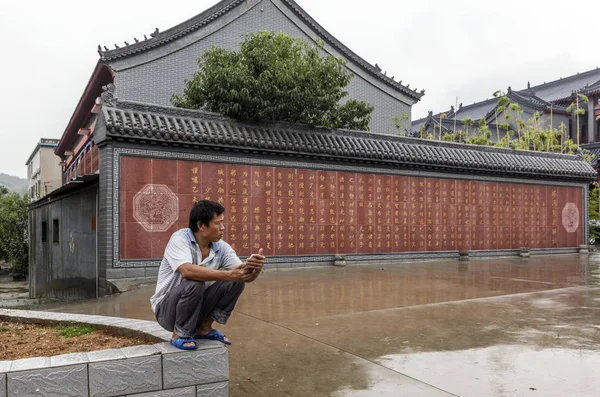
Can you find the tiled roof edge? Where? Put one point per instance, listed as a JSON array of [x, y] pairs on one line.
[[223, 7], [137, 121]]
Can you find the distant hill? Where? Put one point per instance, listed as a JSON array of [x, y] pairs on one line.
[[14, 183]]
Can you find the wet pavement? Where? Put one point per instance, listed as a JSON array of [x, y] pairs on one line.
[[502, 327]]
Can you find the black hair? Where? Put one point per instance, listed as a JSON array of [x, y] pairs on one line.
[[204, 211]]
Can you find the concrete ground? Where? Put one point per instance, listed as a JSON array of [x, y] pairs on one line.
[[502, 327]]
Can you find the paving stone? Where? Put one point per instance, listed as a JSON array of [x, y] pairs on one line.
[[71, 381], [140, 351], [104, 355], [195, 367], [164, 335], [220, 389], [30, 363], [147, 328], [123, 377], [182, 392], [2, 385], [69, 359], [5, 366]]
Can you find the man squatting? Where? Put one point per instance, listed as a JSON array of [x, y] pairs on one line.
[[200, 278]]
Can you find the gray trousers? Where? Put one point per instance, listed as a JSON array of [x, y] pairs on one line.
[[190, 303]]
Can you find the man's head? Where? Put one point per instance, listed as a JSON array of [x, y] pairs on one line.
[[207, 218]]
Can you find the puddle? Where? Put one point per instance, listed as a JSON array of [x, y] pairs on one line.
[[504, 371]]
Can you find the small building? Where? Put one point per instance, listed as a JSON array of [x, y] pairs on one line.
[[44, 172], [550, 100]]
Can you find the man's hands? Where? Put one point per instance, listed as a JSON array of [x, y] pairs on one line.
[[253, 266], [243, 273], [239, 274]]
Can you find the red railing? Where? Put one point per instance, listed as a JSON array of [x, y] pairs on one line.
[[87, 162]]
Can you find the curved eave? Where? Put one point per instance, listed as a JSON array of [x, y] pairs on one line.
[[330, 39], [173, 33], [195, 129], [101, 76], [223, 8]]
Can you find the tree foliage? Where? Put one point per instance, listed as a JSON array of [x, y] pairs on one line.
[[275, 77], [13, 231]]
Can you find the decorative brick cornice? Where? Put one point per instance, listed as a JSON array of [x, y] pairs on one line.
[[138, 122]]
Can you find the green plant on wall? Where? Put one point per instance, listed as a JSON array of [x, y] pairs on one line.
[[401, 122], [275, 77]]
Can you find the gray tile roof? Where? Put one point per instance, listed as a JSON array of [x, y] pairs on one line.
[[131, 121], [594, 149], [223, 7], [564, 87], [474, 111], [535, 97]]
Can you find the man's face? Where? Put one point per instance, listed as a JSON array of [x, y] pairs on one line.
[[214, 231]]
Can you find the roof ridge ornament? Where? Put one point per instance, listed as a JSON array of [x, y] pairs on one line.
[[108, 95]]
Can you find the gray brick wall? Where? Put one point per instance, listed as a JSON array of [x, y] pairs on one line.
[[158, 80], [66, 267], [105, 218]]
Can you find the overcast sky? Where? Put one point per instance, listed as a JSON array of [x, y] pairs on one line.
[[465, 49]]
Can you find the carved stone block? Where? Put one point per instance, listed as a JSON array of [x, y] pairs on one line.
[[220, 389], [71, 381], [182, 392], [195, 368], [123, 377]]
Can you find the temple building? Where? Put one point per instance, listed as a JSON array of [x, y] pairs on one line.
[[550, 100]]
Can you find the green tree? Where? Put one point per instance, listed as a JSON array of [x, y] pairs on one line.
[[467, 122], [518, 111], [578, 111], [401, 122], [442, 115], [502, 103], [275, 77], [482, 135], [3, 191], [13, 231]]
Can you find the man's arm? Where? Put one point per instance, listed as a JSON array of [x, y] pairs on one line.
[[201, 273]]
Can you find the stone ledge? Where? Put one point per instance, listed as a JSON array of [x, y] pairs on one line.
[[145, 370]]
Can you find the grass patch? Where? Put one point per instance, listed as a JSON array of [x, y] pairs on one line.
[[71, 331], [4, 329]]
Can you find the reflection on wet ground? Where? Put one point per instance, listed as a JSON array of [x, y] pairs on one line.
[[502, 327]]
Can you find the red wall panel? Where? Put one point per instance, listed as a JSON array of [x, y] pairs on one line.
[[287, 211]]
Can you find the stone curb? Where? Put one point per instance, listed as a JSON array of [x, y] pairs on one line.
[[146, 370]]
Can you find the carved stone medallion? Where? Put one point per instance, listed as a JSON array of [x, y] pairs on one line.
[[570, 217], [156, 208]]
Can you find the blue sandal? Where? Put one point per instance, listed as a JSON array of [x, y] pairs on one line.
[[180, 342], [214, 335]]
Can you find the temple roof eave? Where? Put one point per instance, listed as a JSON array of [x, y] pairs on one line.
[[223, 7], [131, 121]]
